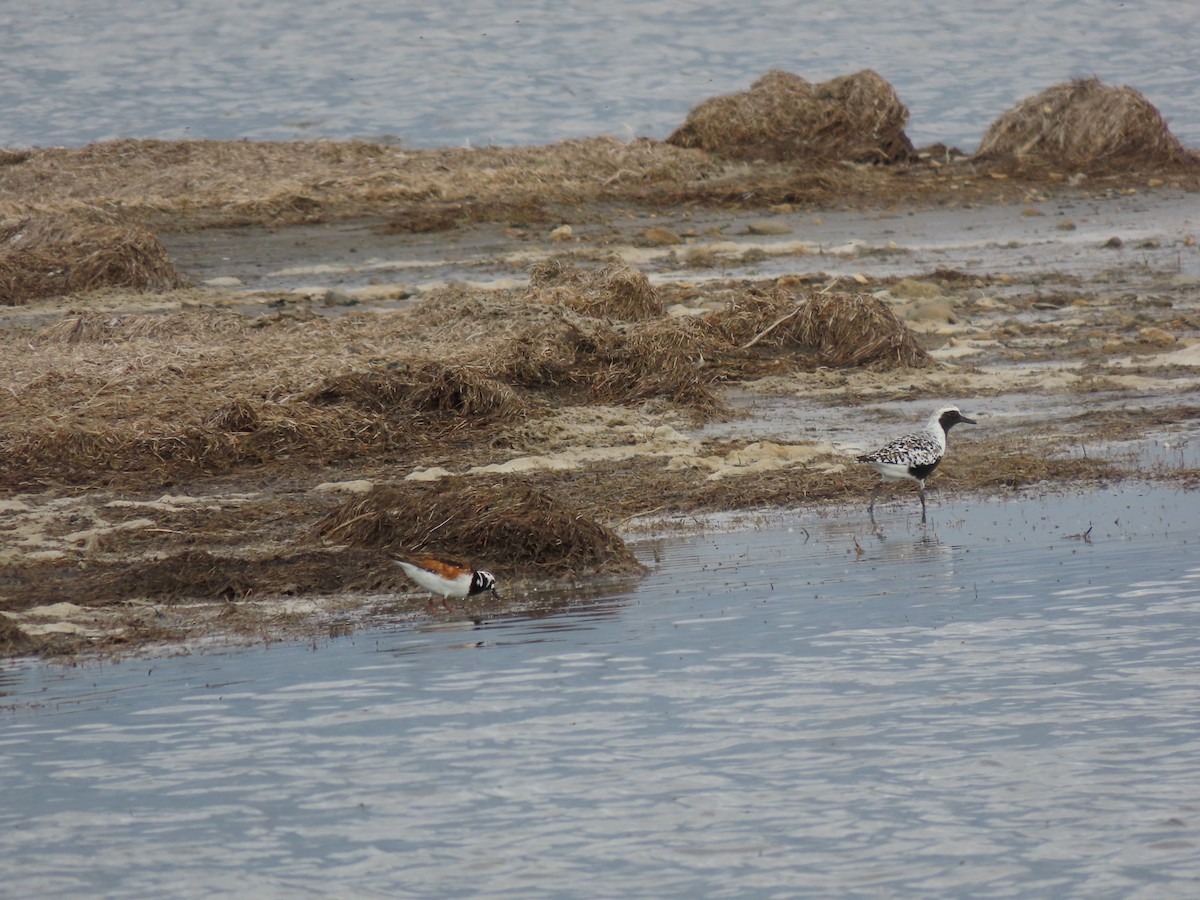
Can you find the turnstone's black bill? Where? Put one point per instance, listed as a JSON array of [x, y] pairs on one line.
[[448, 578], [914, 456]]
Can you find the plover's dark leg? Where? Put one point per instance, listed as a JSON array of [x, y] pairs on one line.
[[921, 494], [871, 505]]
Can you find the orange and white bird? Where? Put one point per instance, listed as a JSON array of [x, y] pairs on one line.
[[448, 578]]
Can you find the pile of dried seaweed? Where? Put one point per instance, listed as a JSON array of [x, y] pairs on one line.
[[828, 329], [783, 117], [427, 387], [501, 525], [847, 330], [149, 398], [13, 640], [622, 350], [46, 257], [1084, 125], [152, 397], [616, 291]]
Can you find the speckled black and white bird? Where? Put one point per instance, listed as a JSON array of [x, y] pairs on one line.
[[914, 456], [447, 577]]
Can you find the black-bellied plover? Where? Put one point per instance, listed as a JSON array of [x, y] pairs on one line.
[[914, 456]]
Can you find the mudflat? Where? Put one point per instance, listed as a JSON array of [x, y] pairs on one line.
[[313, 356]]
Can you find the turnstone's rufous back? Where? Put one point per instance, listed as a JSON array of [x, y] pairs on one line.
[[914, 456], [448, 578]]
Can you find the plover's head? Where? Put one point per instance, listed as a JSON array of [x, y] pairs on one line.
[[482, 581], [949, 416]]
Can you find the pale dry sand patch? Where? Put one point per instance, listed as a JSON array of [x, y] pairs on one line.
[[65, 618], [178, 502], [758, 457], [1186, 356]]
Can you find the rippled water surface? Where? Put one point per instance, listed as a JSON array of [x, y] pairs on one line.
[[462, 71], [989, 706]]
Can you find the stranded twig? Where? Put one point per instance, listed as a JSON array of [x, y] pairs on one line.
[[762, 334]]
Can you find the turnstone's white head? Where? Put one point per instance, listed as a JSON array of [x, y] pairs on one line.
[[483, 580], [448, 577]]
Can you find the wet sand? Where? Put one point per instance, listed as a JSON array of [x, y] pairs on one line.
[[1064, 317]]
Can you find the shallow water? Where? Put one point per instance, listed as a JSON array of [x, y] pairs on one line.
[[988, 706], [464, 72], [997, 240]]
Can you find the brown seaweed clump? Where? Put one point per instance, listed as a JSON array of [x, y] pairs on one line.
[[1085, 125], [503, 525], [617, 291], [670, 358], [152, 398], [857, 330], [14, 641], [834, 329], [430, 388], [620, 352], [90, 326], [784, 117], [763, 319], [47, 257], [204, 575]]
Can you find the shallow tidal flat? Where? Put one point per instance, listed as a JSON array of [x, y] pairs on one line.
[[303, 357]]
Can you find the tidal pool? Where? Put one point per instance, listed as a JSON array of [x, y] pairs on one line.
[[1003, 703]]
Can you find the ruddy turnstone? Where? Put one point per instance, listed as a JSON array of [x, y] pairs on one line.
[[448, 578], [914, 456]]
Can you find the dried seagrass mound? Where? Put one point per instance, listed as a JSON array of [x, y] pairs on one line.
[[617, 291], [857, 330], [619, 351], [499, 525], [201, 574], [14, 641], [784, 117], [757, 318], [429, 387], [544, 353], [1085, 125], [105, 327], [151, 397], [836, 329], [669, 358], [46, 257]]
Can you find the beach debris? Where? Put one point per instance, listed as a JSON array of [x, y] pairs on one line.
[[502, 519], [1085, 126], [47, 256], [616, 291], [784, 117]]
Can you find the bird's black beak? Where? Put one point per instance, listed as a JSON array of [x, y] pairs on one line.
[[496, 594], [965, 420]]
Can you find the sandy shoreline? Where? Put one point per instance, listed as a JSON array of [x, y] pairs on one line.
[[231, 459]]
